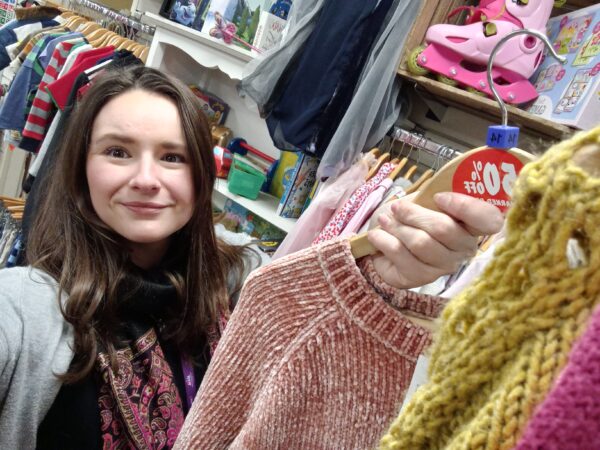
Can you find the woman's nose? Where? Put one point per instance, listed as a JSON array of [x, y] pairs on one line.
[[145, 177]]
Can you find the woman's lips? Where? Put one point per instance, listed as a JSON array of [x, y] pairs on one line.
[[148, 208]]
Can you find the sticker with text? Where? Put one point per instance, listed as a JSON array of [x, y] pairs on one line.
[[488, 175]]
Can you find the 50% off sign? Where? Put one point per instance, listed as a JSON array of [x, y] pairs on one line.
[[488, 175]]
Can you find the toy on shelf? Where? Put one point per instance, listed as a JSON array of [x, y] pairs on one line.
[[485, 11], [213, 107], [570, 95], [264, 161], [239, 220], [221, 135], [459, 53], [241, 146], [223, 160]]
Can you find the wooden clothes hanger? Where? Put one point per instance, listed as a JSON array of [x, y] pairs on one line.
[[144, 54], [74, 22], [380, 162], [443, 152], [501, 136], [422, 179], [98, 34], [400, 165], [88, 28], [411, 171]]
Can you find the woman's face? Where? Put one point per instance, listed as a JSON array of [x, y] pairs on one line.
[[139, 172]]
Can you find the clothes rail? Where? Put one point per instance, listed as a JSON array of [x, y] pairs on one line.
[[422, 143], [117, 16]]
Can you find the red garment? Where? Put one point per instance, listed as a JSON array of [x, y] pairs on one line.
[[60, 89]]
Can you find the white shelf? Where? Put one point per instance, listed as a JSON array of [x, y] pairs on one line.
[[209, 52], [264, 206], [171, 46]]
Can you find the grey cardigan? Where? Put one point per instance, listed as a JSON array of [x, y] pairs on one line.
[[35, 345]]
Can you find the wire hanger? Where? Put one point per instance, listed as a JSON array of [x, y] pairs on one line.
[[499, 137]]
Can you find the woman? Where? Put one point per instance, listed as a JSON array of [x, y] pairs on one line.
[[125, 238]]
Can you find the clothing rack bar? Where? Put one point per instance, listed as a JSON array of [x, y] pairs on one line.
[[117, 16], [420, 142]]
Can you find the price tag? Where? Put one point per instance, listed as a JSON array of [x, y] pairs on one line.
[[488, 175]]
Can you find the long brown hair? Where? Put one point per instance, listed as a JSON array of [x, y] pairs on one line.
[[89, 260]]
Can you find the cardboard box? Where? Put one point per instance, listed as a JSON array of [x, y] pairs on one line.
[[269, 31], [570, 93]]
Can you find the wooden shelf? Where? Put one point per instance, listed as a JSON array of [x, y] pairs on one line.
[[264, 206], [462, 99]]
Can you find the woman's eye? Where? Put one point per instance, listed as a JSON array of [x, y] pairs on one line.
[[174, 158], [116, 152]]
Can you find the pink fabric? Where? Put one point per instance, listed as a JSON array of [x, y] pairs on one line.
[[341, 219], [322, 361], [569, 418], [366, 209], [333, 194]]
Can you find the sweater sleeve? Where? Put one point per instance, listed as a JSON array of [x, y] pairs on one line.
[[11, 326], [38, 344], [250, 351]]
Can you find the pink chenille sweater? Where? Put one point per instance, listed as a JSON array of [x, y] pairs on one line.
[[314, 357]]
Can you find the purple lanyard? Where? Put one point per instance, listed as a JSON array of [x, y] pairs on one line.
[[189, 380]]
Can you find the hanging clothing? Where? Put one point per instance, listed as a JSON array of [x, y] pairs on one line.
[[375, 104], [13, 109], [504, 341], [333, 194], [326, 75], [15, 31], [370, 204], [41, 108], [60, 90], [49, 136], [322, 361], [339, 221], [262, 75], [569, 418]]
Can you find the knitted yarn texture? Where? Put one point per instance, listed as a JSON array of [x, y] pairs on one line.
[[569, 418], [505, 339]]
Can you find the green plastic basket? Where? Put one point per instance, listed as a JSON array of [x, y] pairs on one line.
[[245, 180]]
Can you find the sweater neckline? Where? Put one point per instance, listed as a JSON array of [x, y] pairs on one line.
[[360, 302]]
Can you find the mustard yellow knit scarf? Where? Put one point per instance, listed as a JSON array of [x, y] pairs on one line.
[[504, 340]]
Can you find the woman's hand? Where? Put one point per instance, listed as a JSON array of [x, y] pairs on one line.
[[419, 245]]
